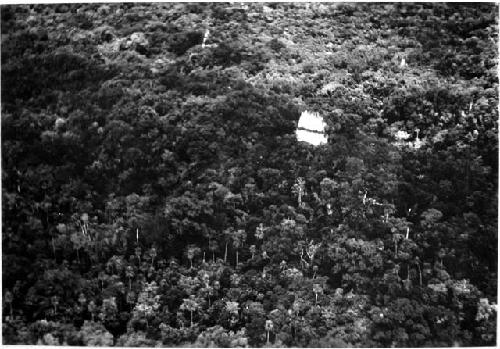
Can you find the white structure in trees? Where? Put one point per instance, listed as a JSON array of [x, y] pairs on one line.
[[311, 128]]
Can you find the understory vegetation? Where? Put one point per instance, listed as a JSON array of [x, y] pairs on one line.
[[154, 192]]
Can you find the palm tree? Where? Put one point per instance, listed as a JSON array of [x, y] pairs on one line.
[[191, 252], [238, 240], [129, 273], [81, 299], [227, 237], [311, 250], [138, 253], [317, 289], [253, 250], [269, 327], [417, 262], [190, 304], [315, 270], [78, 242], [92, 309], [55, 302], [102, 277], [153, 254], [396, 237], [213, 246], [299, 190], [210, 292]]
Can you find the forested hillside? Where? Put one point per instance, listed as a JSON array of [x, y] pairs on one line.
[[154, 192]]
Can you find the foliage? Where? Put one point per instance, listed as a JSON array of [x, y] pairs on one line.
[[154, 192]]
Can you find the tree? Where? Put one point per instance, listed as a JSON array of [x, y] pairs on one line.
[[252, 250], [269, 327], [8, 298], [191, 252], [228, 236], [238, 240], [259, 231], [129, 273], [148, 304], [299, 190], [232, 308], [55, 302], [92, 308], [213, 246], [138, 253], [317, 289], [95, 334], [311, 250], [190, 304], [152, 254], [115, 140]]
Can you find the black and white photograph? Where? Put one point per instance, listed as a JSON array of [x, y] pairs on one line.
[[249, 174]]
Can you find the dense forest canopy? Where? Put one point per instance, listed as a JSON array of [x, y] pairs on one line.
[[154, 191]]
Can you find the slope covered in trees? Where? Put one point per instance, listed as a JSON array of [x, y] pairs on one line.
[[154, 191]]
